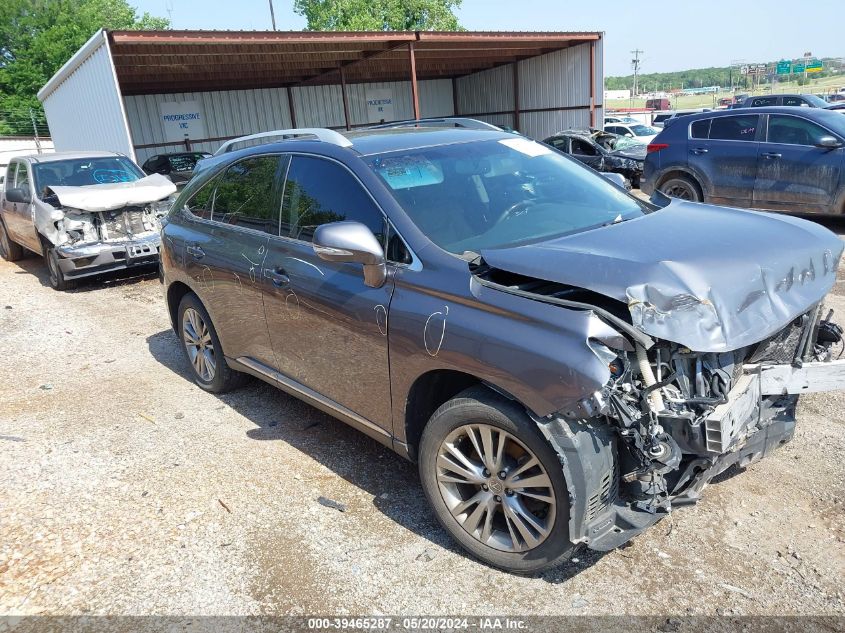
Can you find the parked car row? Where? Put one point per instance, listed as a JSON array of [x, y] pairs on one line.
[[565, 362]]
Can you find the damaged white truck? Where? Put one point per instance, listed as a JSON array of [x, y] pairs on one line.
[[87, 213]]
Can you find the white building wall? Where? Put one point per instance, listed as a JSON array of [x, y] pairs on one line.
[[240, 112], [83, 104]]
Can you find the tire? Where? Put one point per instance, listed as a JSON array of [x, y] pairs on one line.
[[58, 281], [683, 188], [208, 365], [9, 250], [492, 534]]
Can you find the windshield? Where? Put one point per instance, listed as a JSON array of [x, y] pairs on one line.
[[186, 162], [84, 171], [492, 194], [642, 130], [626, 142]]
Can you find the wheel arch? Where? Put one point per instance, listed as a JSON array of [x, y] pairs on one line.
[[175, 293], [429, 392]]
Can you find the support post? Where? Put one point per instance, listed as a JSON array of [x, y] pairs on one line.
[[345, 98], [592, 83], [415, 97], [291, 108], [456, 111], [515, 66]]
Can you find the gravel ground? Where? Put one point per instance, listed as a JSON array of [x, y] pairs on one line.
[[125, 489]]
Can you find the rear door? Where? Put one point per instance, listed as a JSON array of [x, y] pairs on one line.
[[792, 173], [329, 330], [723, 154], [225, 246]]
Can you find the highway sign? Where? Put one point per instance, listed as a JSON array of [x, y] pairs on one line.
[[814, 66], [784, 67], [798, 67]]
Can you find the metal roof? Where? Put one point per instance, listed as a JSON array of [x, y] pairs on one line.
[[148, 62]]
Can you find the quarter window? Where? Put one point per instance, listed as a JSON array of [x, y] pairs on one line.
[[245, 195], [320, 191], [734, 128], [792, 130], [202, 201]]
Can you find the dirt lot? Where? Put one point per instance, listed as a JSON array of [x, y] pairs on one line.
[[124, 489]]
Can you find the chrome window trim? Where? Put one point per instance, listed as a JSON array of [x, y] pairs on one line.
[[795, 116], [723, 140]]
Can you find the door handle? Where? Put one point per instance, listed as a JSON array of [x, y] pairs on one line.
[[277, 276], [195, 250], [771, 155], [698, 151]]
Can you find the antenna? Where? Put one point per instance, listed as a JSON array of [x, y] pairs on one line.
[[272, 15]]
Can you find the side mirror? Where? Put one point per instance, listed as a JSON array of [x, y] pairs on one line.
[[829, 142], [660, 199], [352, 242], [18, 195], [617, 179]]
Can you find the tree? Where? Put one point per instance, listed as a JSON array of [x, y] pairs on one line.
[[38, 36], [379, 15]]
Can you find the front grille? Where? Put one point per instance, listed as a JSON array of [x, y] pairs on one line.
[[124, 223], [605, 495]]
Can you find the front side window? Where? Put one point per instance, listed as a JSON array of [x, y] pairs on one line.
[[319, 191], [734, 128], [22, 177], [466, 197], [245, 195], [792, 130], [643, 130], [583, 148]]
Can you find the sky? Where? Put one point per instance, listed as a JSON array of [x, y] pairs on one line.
[[674, 35]]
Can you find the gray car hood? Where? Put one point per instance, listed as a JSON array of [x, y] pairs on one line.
[[710, 278]]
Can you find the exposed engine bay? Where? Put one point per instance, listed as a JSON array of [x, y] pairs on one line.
[[669, 418], [124, 224]]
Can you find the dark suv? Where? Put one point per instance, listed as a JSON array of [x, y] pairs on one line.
[[562, 360], [785, 159]]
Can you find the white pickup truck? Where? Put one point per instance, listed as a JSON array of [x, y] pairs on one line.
[[86, 212]]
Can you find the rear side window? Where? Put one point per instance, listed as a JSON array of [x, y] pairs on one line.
[[245, 195], [762, 101], [700, 129], [734, 128], [320, 191], [791, 130]]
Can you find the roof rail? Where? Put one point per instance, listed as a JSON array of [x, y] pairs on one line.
[[323, 134]]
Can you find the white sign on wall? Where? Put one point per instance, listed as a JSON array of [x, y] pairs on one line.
[[182, 118], [380, 105]]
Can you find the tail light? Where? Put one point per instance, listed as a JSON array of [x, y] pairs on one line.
[[656, 147]]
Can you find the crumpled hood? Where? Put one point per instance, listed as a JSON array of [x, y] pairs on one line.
[[631, 152], [115, 195], [710, 278]]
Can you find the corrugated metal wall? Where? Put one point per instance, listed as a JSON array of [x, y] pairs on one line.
[[240, 112], [85, 112], [550, 83]]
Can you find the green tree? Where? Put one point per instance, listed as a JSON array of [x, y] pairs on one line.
[[38, 36], [379, 15]]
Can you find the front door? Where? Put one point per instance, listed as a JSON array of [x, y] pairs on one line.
[[18, 215], [793, 174], [723, 152], [329, 330]]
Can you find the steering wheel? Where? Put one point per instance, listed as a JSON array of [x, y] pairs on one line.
[[514, 210]]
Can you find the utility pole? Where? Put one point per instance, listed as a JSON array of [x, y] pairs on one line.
[[272, 15], [35, 130], [635, 64]]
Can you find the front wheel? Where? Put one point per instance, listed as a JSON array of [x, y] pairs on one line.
[[495, 483], [58, 281]]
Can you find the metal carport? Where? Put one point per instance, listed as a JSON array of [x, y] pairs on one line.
[[117, 91]]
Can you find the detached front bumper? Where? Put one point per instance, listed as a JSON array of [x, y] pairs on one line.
[[101, 257]]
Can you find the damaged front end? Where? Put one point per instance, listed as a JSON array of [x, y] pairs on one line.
[[99, 228], [670, 418]]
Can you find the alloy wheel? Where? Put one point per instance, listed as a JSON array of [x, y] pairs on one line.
[[496, 488], [197, 338], [680, 191]]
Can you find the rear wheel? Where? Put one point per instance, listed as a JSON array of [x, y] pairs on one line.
[[495, 484], [9, 250], [57, 278], [202, 348], [683, 188]]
